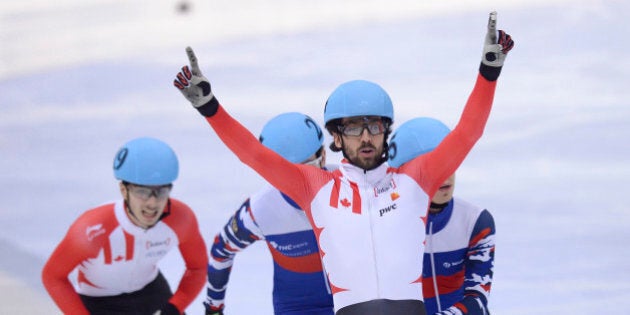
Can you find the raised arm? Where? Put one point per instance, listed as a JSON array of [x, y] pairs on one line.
[[439, 164], [292, 179]]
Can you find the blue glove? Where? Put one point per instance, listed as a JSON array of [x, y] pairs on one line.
[[495, 49], [195, 87]]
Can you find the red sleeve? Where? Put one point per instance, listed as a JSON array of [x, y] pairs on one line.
[[73, 249], [193, 250], [299, 182], [432, 169]]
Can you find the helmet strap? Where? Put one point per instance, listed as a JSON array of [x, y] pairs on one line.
[[166, 212], [128, 207]]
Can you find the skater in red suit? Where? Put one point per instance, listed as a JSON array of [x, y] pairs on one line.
[[116, 247], [368, 218]]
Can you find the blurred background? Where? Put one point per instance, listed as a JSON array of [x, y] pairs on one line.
[[80, 78]]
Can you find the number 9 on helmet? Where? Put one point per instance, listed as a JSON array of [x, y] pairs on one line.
[[146, 161]]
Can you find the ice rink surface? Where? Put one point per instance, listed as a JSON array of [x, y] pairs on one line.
[[78, 79]]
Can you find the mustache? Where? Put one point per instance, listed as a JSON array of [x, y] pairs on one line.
[[366, 145]]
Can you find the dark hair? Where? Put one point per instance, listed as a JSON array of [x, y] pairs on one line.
[[333, 127]]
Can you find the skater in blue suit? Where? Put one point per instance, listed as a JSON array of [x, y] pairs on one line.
[[459, 252], [299, 284]]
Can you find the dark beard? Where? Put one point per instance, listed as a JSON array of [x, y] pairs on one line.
[[369, 164], [373, 163]]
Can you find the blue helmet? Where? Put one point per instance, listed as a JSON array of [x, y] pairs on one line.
[[293, 135], [146, 161], [415, 137], [358, 98]]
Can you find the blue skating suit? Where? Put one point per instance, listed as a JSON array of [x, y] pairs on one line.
[[460, 243], [299, 283]]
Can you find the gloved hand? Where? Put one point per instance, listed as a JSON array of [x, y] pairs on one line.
[[210, 310], [495, 51], [168, 309], [195, 87]]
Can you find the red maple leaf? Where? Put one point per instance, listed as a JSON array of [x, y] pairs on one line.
[[345, 202]]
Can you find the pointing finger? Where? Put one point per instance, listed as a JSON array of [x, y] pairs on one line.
[[194, 65], [491, 36], [492, 21]]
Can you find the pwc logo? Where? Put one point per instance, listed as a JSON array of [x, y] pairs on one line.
[[387, 209], [452, 264]]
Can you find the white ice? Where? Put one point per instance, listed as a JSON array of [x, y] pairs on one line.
[[80, 78]]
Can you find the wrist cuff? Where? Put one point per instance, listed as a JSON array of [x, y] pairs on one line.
[[210, 108], [490, 73]]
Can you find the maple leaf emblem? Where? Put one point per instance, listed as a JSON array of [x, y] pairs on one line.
[[345, 202]]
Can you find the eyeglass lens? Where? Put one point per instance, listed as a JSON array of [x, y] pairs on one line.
[[145, 193], [373, 127]]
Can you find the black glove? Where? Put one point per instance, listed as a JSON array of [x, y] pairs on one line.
[[494, 49], [210, 311], [213, 310], [195, 87], [168, 309]]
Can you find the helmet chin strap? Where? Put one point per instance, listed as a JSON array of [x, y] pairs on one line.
[[128, 208]]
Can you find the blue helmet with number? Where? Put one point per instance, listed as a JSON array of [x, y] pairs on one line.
[[146, 161], [294, 136], [358, 98], [415, 137]]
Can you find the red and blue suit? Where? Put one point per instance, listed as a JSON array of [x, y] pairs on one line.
[[299, 283], [458, 259]]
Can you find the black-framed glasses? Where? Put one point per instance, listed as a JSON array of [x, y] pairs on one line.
[[355, 129], [144, 192]]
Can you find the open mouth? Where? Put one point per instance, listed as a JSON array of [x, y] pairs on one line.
[[149, 215], [366, 151]]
